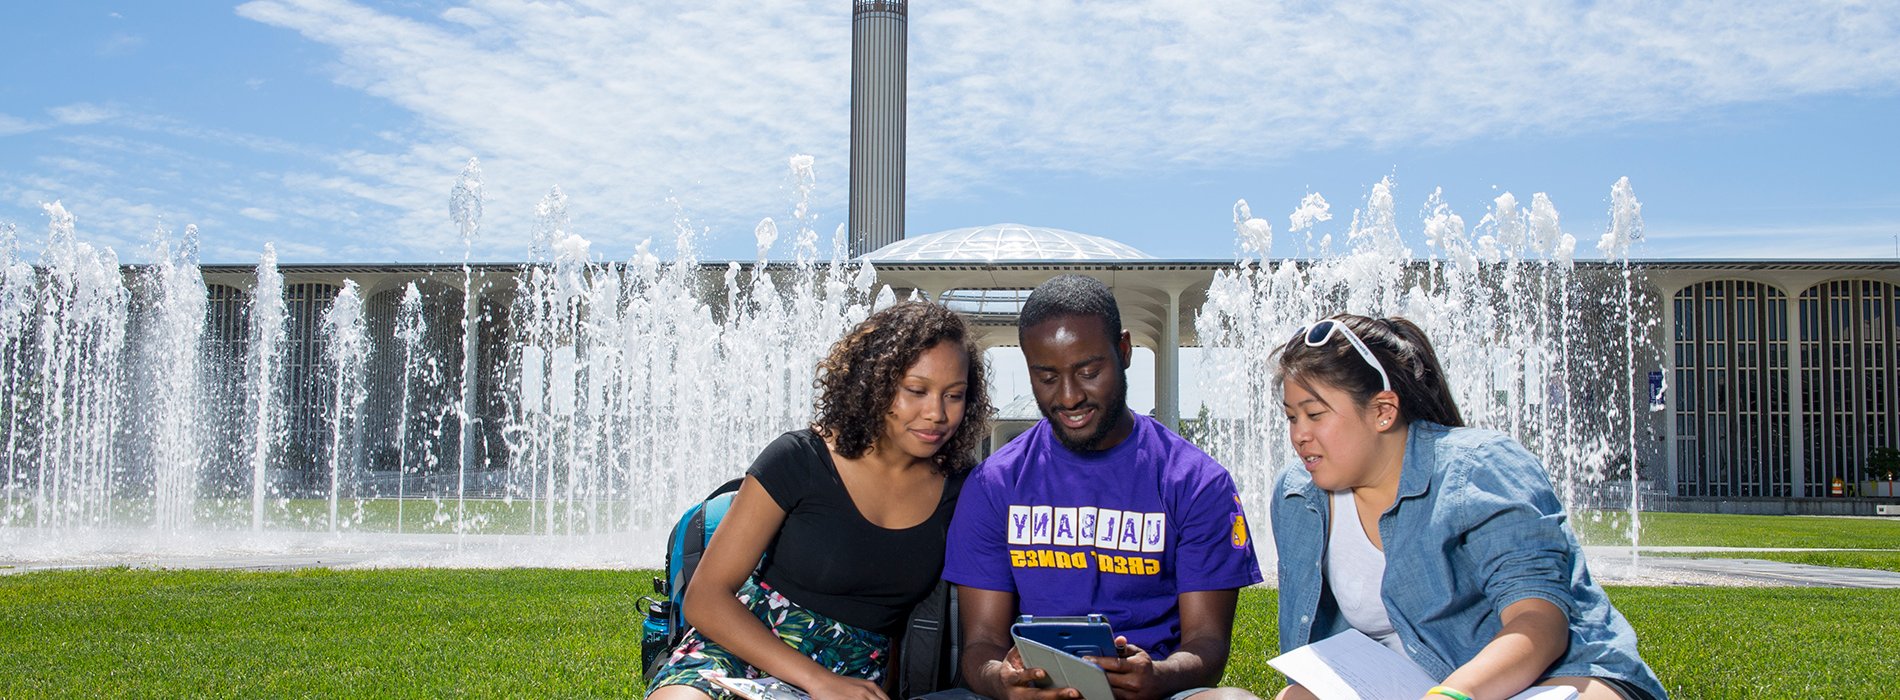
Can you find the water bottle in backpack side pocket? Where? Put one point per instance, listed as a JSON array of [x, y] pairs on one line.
[[654, 636]]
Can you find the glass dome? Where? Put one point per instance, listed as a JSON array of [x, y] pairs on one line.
[[1004, 242]]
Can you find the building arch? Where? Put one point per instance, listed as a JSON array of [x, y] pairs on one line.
[[308, 382], [226, 340], [1849, 378], [409, 412], [1733, 428]]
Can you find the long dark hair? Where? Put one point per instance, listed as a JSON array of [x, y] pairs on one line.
[[858, 379], [1402, 349]]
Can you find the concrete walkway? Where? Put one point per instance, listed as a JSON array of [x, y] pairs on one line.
[[26, 551], [1617, 565]]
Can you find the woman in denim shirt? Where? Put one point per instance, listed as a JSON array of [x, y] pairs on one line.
[[1444, 543]]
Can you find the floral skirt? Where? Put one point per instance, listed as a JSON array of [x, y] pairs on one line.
[[840, 648]]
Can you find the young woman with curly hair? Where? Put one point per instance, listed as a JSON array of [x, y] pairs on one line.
[[849, 516]]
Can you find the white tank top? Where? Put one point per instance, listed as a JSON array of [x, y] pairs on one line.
[[1354, 570]]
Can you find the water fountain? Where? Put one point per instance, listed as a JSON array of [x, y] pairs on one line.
[[264, 371], [619, 391], [609, 394], [175, 373], [1533, 345], [347, 346]]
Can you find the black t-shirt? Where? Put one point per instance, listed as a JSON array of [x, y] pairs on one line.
[[827, 557]]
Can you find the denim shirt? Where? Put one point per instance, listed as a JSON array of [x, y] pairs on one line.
[[1475, 528]]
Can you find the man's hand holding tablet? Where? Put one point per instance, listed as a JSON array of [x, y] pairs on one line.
[[1057, 645]]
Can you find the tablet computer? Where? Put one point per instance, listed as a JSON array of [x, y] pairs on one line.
[[1057, 645], [1087, 635]]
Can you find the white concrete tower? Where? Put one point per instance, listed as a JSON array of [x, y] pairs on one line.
[[878, 51]]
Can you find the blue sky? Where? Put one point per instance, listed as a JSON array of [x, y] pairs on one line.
[[336, 129]]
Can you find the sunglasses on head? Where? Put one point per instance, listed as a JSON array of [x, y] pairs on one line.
[[1319, 333]]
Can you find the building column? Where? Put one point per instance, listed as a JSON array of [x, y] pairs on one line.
[[1669, 399], [1168, 366], [1797, 433]]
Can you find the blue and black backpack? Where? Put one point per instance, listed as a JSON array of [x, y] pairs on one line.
[[666, 616], [927, 650]]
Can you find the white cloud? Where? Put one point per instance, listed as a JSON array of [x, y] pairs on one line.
[[124, 185], [120, 44], [77, 166], [1806, 240], [107, 220], [11, 125], [622, 106], [627, 104], [81, 113], [1125, 85]]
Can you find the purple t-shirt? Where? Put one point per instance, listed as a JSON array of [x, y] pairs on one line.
[[1121, 532]]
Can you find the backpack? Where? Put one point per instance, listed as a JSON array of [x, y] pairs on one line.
[[928, 647], [666, 617]]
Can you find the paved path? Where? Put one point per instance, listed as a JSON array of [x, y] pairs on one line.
[[1617, 565], [22, 551]]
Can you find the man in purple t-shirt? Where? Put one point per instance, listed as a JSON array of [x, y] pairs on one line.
[[1097, 510]]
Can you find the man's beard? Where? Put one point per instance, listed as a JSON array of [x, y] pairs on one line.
[[1109, 417]]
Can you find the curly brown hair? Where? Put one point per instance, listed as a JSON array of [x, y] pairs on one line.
[[859, 378]]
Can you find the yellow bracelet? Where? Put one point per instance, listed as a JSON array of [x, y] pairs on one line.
[[1447, 692]]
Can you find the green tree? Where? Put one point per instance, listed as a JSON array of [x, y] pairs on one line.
[[1199, 429], [1883, 464]]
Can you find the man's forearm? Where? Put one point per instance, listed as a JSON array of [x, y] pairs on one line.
[[1196, 664], [983, 669]]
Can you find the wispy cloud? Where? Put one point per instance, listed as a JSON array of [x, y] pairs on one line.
[[1127, 85], [120, 44], [11, 125], [110, 219], [87, 114], [624, 105], [81, 114], [1822, 241], [77, 166], [645, 112]]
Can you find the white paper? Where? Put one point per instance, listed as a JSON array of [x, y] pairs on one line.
[[1545, 692], [1351, 666], [767, 688]]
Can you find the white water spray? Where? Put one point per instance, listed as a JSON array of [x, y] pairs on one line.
[[346, 351], [1524, 336], [264, 368]]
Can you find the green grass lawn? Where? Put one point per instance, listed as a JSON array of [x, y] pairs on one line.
[[1768, 642], [433, 633], [1710, 530], [319, 633]]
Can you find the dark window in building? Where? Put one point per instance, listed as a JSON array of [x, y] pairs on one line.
[[1849, 379], [1732, 407]]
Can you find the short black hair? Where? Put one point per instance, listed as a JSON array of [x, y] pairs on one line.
[[1071, 295]]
